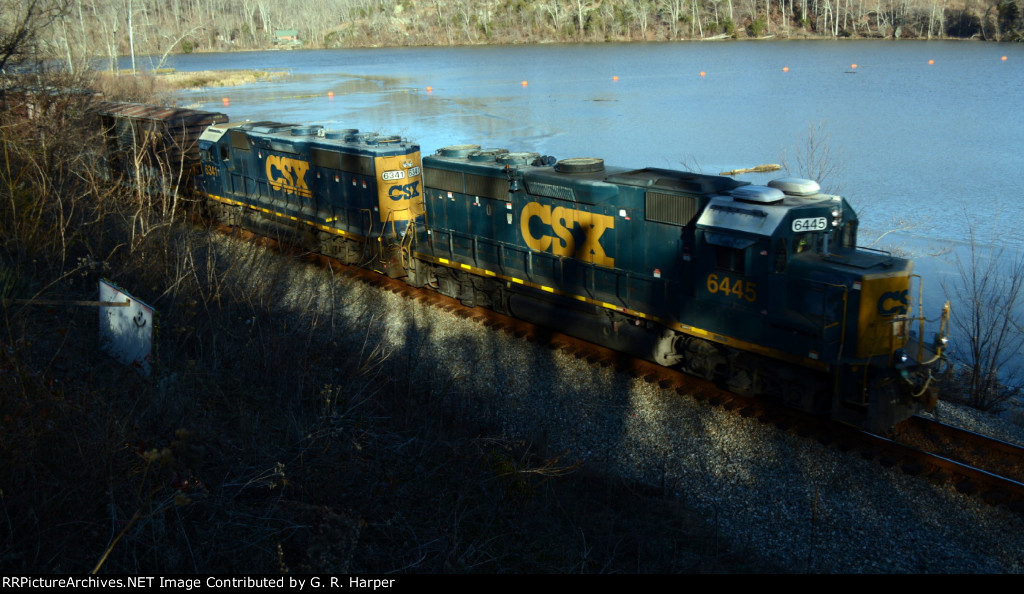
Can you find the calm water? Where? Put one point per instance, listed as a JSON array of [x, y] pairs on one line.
[[923, 147], [916, 142]]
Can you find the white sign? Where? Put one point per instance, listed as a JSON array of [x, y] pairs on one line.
[[392, 175], [811, 224], [126, 333]]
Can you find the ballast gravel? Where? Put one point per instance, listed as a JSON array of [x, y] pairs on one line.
[[799, 505]]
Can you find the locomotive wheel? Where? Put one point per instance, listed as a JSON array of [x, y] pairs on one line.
[[226, 215], [333, 246], [447, 284], [667, 351], [703, 359], [499, 299], [418, 273]]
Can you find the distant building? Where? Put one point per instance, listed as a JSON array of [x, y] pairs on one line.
[[287, 37]]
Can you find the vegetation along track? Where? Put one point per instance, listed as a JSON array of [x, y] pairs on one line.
[[972, 463]]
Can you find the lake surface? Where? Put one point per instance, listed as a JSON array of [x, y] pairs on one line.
[[924, 137], [915, 142]]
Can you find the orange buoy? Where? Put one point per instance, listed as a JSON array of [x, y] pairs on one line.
[[524, 83], [615, 78], [430, 89], [225, 101], [1003, 58], [853, 66], [930, 62], [702, 73], [785, 68], [330, 94]]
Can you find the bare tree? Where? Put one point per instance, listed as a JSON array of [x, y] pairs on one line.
[[554, 9], [989, 293], [113, 27], [583, 9], [20, 24], [173, 44], [815, 159], [675, 9], [640, 13]]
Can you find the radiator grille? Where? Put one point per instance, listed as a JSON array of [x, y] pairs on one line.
[[488, 187], [444, 180], [551, 191], [672, 209]]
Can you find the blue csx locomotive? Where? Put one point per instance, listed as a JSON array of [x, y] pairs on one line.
[[758, 288]]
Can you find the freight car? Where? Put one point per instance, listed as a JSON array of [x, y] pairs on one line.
[[151, 147], [759, 288]]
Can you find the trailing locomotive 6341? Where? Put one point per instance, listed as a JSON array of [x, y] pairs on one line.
[[759, 288]]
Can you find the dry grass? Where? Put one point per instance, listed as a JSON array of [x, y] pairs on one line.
[[219, 78], [158, 87]]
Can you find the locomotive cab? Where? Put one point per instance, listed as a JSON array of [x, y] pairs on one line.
[[785, 260]]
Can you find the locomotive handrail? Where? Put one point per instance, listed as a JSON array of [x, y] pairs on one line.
[[842, 322], [369, 234], [920, 316], [619, 288], [874, 249], [842, 339]]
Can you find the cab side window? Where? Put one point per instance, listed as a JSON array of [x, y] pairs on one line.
[[805, 242], [848, 235], [730, 259]]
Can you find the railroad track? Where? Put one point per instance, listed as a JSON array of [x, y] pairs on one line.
[[974, 464]]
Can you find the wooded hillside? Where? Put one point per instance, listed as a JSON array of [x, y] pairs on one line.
[[108, 28]]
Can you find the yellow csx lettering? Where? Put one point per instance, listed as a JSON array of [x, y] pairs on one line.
[[894, 303], [287, 174], [406, 192], [562, 222]]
